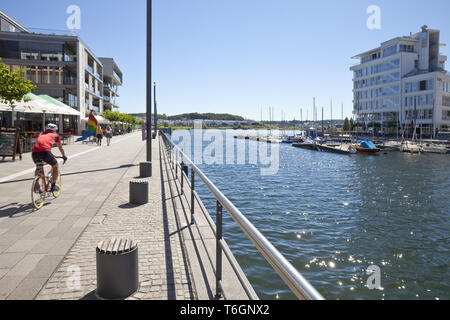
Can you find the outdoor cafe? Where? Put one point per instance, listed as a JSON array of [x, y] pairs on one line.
[[31, 117]]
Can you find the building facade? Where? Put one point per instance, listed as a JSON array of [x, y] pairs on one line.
[[112, 79], [61, 66], [402, 85]]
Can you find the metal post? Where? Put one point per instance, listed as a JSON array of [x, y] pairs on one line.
[[192, 195], [149, 81], [182, 178], [176, 165], [218, 249], [156, 110]]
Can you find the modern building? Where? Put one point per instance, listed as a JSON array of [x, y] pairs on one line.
[[61, 66], [8, 24], [403, 85], [112, 79]]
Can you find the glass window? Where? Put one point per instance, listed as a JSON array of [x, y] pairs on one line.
[[390, 51]]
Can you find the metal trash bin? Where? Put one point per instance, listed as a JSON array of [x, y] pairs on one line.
[[117, 268]]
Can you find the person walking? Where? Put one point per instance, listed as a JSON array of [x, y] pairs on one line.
[[108, 134], [99, 134]]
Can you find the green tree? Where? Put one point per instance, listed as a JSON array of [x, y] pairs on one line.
[[13, 86], [346, 125]]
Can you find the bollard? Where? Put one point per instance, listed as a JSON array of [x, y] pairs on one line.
[[138, 192], [145, 169], [117, 268]]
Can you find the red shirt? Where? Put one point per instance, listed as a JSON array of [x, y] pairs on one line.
[[45, 141]]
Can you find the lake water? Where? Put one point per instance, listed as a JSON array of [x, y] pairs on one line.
[[332, 216]]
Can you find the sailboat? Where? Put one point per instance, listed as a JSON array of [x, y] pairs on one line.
[[366, 146]]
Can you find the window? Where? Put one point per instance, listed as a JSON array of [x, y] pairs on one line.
[[406, 48], [446, 101], [390, 51]]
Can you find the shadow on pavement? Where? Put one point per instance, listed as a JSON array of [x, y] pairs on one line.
[[124, 166], [16, 209]]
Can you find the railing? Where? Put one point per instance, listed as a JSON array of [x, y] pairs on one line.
[[294, 280]]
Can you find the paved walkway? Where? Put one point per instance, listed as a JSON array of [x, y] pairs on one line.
[[163, 266], [50, 253], [33, 243]]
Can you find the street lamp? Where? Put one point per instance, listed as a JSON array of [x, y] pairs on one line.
[[146, 167]]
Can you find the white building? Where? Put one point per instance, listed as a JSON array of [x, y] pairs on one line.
[[403, 83]]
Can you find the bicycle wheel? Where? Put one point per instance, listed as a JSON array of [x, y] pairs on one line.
[[58, 185], [38, 192]]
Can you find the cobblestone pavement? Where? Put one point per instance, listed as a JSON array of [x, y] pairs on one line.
[[163, 266], [33, 243]]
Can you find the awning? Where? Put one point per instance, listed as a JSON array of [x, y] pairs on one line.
[[68, 110], [38, 105]]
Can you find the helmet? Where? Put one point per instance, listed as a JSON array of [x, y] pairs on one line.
[[52, 127]]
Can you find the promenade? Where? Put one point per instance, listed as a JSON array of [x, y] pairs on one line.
[[50, 253]]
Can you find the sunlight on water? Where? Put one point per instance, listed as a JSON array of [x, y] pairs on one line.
[[332, 216]]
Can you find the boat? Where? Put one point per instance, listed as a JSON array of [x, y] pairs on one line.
[[434, 148], [390, 145], [343, 148], [308, 143], [367, 146], [411, 147], [286, 140]]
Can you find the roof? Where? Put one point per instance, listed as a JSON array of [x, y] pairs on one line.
[[12, 21]]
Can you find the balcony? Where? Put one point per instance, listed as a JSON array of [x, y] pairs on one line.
[[90, 69], [70, 58]]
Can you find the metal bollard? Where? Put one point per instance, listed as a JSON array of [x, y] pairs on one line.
[[117, 268], [138, 192], [145, 169]]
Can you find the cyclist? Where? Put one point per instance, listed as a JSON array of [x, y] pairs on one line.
[[41, 152]]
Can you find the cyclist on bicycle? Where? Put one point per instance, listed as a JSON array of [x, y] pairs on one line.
[[41, 152]]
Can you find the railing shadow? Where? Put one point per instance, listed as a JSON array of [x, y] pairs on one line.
[[188, 226]]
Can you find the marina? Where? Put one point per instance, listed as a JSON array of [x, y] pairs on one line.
[[334, 216], [348, 144]]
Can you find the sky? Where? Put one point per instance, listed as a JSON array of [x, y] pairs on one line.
[[237, 56]]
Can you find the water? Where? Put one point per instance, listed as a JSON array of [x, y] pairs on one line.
[[332, 216]]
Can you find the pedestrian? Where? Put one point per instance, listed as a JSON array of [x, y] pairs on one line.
[[99, 134], [108, 134]]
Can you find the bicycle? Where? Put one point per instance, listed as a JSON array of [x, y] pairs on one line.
[[40, 188]]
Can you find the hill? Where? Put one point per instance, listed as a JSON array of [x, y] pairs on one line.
[[196, 116]]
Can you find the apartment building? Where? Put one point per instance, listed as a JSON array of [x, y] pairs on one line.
[[61, 66], [112, 79], [402, 85]]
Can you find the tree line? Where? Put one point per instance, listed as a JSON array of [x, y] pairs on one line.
[[115, 116], [196, 116]]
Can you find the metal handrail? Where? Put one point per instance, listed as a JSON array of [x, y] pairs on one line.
[[294, 280]]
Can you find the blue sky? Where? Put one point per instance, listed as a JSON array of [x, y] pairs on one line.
[[237, 56]]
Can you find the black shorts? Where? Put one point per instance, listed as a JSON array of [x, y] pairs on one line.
[[44, 156]]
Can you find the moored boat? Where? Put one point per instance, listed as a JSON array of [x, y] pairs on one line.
[[344, 148], [411, 147], [367, 146], [434, 148]]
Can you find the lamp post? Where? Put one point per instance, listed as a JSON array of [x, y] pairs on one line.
[[146, 167]]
